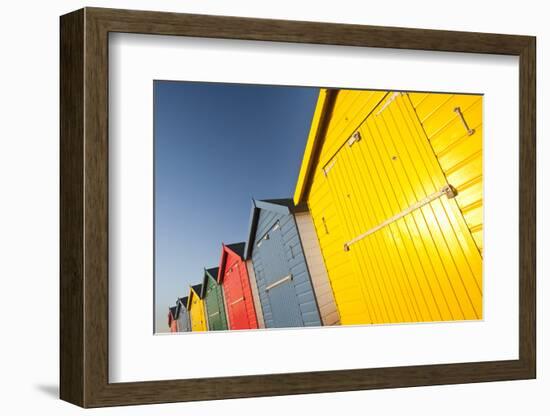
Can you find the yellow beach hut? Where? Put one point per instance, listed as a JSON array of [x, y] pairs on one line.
[[393, 182], [195, 305]]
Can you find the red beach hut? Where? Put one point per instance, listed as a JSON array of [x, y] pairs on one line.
[[233, 276], [173, 319]]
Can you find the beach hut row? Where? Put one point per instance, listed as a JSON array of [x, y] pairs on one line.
[[385, 225], [276, 279]]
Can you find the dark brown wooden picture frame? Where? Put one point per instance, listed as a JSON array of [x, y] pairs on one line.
[[84, 207]]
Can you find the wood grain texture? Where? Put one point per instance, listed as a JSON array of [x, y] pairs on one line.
[[527, 208], [84, 207], [71, 212]]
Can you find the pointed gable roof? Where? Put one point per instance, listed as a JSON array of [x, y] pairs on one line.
[[172, 314], [211, 273], [195, 290], [181, 303], [288, 203], [236, 248], [283, 206]]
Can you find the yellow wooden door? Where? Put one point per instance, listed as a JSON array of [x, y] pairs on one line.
[[424, 266], [349, 109], [198, 322], [458, 149]]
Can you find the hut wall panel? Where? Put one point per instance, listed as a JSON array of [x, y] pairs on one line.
[[423, 267], [221, 306], [255, 294], [269, 320], [342, 273], [249, 298], [196, 312], [174, 326], [183, 321], [350, 108], [459, 154], [215, 309], [295, 261], [317, 270], [241, 315]]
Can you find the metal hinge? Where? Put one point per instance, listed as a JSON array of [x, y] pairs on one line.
[[463, 120], [329, 166], [355, 137], [447, 190]]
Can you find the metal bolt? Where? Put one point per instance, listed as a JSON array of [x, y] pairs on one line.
[[450, 191]]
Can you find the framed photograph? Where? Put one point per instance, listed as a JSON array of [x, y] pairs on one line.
[[256, 207]]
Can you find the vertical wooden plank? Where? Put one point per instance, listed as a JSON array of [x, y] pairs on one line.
[[255, 293], [247, 293], [316, 266], [71, 208], [528, 209], [96, 207]]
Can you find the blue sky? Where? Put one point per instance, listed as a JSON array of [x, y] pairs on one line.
[[217, 146]]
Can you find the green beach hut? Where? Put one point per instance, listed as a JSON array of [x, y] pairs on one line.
[[212, 294]]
